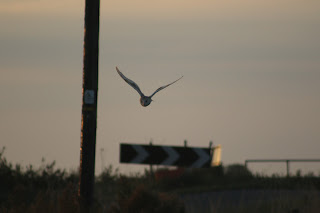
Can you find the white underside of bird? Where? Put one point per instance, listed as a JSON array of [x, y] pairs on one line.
[[144, 100]]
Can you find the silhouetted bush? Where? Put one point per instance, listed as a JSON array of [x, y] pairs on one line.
[[46, 189], [23, 190], [238, 171], [144, 199]]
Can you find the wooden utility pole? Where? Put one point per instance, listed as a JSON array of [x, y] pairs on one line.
[[89, 101]]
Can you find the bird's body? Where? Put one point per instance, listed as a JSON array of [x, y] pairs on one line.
[[144, 100]]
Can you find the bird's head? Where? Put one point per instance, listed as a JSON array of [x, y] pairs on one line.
[[145, 101]]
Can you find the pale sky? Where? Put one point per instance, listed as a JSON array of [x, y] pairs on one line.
[[251, 79]]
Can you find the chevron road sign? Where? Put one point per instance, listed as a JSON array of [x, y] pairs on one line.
[[194, 157]]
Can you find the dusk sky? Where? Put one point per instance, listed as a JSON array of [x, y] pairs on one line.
[[251, 79]]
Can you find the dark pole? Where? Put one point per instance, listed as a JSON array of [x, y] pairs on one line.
[[89, 101]]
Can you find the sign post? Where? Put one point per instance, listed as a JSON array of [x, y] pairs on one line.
[[89, 101]]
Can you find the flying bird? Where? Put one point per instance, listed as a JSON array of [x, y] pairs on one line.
[[144, 100]]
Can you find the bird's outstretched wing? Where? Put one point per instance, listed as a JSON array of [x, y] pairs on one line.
[[130, 82], [160, 88]]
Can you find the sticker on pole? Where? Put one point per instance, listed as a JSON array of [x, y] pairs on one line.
[[89, 97]]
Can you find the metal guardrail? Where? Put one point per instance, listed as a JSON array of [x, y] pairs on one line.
[[287, 161]]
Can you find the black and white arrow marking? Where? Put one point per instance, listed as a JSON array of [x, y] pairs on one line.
[[142, 154], [203, 158], [165, 155], [172, 156]]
